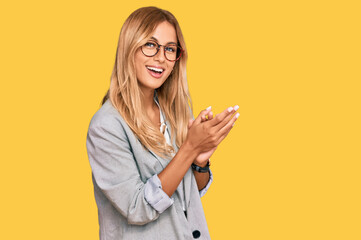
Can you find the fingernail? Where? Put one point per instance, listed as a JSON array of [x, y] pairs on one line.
[[237, 115], [230, 109], [236, 108], [209, 107]]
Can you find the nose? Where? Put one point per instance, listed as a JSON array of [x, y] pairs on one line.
[[160, 55]]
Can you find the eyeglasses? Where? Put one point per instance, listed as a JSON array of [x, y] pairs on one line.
[[172, 52]]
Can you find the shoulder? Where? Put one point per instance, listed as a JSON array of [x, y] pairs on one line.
[[107, 118]]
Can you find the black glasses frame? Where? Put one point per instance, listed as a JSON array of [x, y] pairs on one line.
[[158, 48]]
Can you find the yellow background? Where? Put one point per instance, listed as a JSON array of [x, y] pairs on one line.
[[290, 168]]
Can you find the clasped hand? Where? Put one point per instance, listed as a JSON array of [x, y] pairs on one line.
[[205, 134]]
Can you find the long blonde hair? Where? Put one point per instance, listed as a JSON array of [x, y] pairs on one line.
[[173, 95]]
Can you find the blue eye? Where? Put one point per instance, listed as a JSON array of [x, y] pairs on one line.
[[171, 49], [149, 44]]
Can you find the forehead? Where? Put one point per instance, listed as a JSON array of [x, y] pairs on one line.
[[165, 33]]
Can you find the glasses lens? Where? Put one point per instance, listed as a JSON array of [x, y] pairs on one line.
[[149, 49], [172, 52]]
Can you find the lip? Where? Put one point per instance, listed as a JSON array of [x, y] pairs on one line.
[[155, 66], [153, 74]]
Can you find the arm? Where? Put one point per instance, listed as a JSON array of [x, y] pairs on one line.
[[116, 174], [202, 140], [172, 175], [204, 189], [203, 180]]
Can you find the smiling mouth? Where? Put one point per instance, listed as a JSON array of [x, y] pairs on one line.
[[155, 72]]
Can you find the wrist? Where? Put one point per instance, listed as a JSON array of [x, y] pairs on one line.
[[188, 145], [201, 169], [189, 151], [201, 164]]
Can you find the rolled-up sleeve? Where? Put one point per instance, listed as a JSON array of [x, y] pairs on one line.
[[116, 174], [155, 195], [205, 189]]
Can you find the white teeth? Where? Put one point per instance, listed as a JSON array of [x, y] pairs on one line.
[[155, 69]]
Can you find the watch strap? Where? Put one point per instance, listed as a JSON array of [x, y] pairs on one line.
[[201, 169]]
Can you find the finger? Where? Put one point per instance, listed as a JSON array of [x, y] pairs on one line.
[[210, 116], [222, 137], [227, 128], [190, 122], [202, 113], [221, 116], [221, 119], [225, 131]]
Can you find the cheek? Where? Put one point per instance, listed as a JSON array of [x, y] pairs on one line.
[[168, 73], [138, 67], [171, 67]]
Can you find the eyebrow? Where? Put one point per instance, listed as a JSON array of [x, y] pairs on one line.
[[165, 44]]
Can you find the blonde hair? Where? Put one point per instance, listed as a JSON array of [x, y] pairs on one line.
[[124, 92]]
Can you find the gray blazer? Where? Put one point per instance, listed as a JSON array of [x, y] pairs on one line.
[[121, 168]]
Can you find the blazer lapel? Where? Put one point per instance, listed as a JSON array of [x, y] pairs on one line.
[[187, 179], [164, 162]]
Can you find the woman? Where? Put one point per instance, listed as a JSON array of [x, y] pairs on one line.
[[149, 156]]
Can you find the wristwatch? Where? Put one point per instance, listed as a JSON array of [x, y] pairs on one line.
[[201, 169]]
